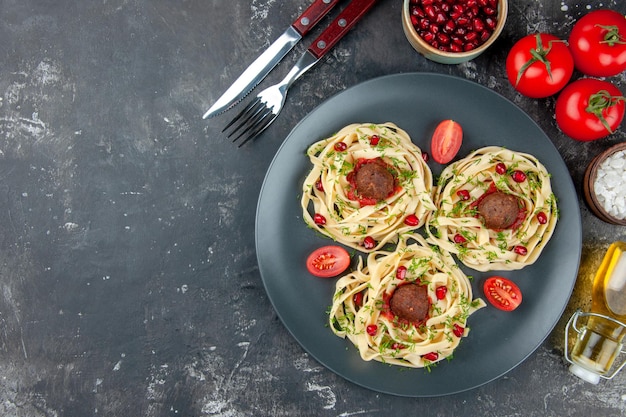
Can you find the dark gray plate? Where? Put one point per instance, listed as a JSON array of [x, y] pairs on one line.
[[498, 341]]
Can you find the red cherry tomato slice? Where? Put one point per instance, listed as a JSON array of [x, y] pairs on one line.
[[328, 261], [446, 141], [598, 43], [502, 293]]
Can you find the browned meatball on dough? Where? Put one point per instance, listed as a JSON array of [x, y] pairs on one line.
[[499, 210], [410, 302], [373, 180]]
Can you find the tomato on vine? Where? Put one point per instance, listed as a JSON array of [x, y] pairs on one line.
[[539, 65], [589, 109], [598, 43]]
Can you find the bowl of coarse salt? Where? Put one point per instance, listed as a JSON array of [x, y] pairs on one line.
[[605, 185]]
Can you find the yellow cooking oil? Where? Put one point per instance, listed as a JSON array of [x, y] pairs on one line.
[[600, 341]]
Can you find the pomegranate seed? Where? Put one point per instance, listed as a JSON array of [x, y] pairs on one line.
[[440, 18], [463, 195], [414, 21], [430, 12], [372, 329], [369, 242], [542, 218], [458, 330], [489, 11], [518, 176], [319, 219], [449, 27], [441, 292], [427, 2], [469, 46], [357, 299], [454, 47], [520, 250], [458, 239], [418, 12], [482, 3], [462, 21], [443, 38], [397, 346], [340, 146], [491, 23], [428, 37], [374, 139], [470, 36], [501, 168], [431, 357], [425, 156], [319, 186], [411, 220], [478, 25], [401, 272]]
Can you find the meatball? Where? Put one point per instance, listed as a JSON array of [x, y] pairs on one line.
[[410, 302], [373, 180], [499, 210]]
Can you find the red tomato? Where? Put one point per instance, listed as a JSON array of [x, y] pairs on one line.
[[502, 293], [446, 141], [328, 261], [539, 65], [598, 43], [589, 109]]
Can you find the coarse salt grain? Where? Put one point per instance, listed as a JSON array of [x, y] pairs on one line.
[[610, 185]]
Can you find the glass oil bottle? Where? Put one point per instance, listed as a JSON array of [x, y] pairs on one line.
[[599, 341]]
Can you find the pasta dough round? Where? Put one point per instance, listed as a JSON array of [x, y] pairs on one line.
[[458, 226], [331, 204], [361, 308]]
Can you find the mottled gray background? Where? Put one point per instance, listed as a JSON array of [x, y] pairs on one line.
[[128, 277]]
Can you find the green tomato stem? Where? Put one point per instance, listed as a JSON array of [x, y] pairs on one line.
[[601, 101], [612, 36]]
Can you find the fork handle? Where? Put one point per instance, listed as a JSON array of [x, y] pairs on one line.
[[312, 15], [340, 26]]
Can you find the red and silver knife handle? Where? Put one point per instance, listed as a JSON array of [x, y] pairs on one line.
[[340, 26], [313, 14]]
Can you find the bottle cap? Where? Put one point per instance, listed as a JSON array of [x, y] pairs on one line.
[[585, 374]]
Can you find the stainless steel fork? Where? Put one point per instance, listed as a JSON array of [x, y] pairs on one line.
[[264, 109]]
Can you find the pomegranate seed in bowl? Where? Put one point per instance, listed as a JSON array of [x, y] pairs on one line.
[[453, 31]]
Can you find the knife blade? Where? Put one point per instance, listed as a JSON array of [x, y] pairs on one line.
[[257, 71]]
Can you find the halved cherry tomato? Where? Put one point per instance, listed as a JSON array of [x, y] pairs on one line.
[[589, 109], [446, 141], [502, 293], [539, 65], [328, 261], [598, 43]]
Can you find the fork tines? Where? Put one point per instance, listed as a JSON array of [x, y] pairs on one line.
[[251, 121]]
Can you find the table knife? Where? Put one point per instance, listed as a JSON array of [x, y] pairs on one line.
[[255, 73]]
